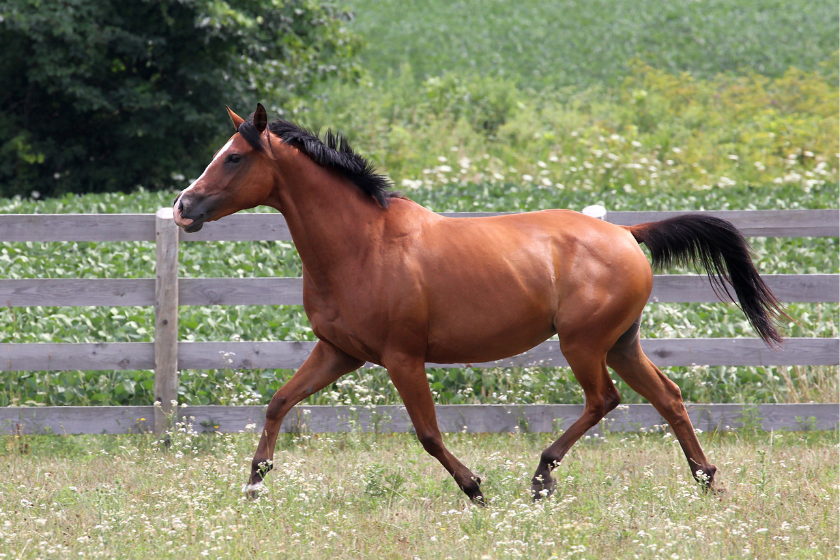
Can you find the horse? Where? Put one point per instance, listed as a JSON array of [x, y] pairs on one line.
[[389, 282]]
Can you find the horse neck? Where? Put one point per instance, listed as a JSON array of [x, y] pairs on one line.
[[332, 222]]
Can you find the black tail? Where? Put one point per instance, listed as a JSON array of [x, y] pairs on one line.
[[725, 255]]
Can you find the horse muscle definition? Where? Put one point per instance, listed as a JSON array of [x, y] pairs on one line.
[[389, 282]]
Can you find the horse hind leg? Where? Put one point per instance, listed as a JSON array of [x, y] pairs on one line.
[[590, 369], [630, 363]]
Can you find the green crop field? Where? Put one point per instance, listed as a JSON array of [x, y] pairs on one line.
[[567, 43]]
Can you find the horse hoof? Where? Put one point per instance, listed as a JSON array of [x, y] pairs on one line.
[[715, 490], [253, 491], [540, 490], [478, 499]]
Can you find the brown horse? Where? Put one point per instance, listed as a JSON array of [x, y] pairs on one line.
[[389, 282]]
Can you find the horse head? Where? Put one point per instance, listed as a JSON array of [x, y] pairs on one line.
[[239, 177]]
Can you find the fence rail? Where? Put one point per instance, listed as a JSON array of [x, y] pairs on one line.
[[122, 292], [534, 418], [665, 352], [166, 292], [272, 226]]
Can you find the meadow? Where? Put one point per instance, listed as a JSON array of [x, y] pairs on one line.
[[356, 495]]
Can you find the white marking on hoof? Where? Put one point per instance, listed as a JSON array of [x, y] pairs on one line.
[[258, 487]]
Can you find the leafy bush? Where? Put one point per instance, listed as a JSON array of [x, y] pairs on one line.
[[107, 95]]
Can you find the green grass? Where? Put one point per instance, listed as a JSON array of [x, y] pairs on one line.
[[355, 495], [564, 43]]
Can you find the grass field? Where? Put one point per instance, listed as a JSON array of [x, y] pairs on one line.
[[354, 495]]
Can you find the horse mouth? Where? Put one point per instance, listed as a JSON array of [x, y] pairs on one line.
[[194, 226], [188, 225]]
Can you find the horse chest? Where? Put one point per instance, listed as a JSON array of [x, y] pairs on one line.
[[341, 323]]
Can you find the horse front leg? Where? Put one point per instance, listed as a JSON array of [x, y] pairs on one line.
[[324, 365], [409, 377]]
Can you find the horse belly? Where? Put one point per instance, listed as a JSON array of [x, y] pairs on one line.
[[480, 322], [485, 346]]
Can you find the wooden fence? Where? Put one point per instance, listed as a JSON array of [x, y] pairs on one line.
[[166, 355]]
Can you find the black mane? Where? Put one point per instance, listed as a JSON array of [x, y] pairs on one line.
[[333, 152]]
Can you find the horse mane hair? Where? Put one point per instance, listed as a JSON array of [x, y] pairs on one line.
[[333, 152]]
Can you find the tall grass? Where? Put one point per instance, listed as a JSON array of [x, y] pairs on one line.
[[355, 495]]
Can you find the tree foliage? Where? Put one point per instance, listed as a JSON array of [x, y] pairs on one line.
[[104, 95]]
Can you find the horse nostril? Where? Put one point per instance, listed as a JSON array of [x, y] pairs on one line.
[[180, 205]]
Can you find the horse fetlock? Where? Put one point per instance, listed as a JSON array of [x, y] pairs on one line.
[[705, 475], [542, 486], [548, 462]]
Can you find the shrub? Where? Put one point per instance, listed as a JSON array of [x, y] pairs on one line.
[[102, 96]]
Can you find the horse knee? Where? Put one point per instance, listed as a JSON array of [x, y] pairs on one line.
[[471, 486], [597, 407], [275, 407]]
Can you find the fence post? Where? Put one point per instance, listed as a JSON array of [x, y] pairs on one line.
[[166, 316]]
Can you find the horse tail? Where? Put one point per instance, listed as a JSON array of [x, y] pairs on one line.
[[724, 254]]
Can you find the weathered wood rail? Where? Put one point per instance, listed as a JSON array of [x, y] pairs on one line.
[[166, 355], [471, 418]]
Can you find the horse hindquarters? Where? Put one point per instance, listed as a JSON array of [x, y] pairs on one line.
[[603, 285]]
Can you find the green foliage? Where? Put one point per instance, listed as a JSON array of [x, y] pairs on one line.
[[107, 95], [736, 142], [558, 43]]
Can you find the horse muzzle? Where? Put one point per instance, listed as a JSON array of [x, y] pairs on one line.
[[190, 216]]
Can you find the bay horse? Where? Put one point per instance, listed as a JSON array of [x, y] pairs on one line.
[[389, 282]]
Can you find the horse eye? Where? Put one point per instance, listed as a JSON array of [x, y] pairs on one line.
[[233, 158]]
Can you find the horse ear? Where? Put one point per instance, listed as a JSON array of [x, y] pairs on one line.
[[234, 118], [260, 118]]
